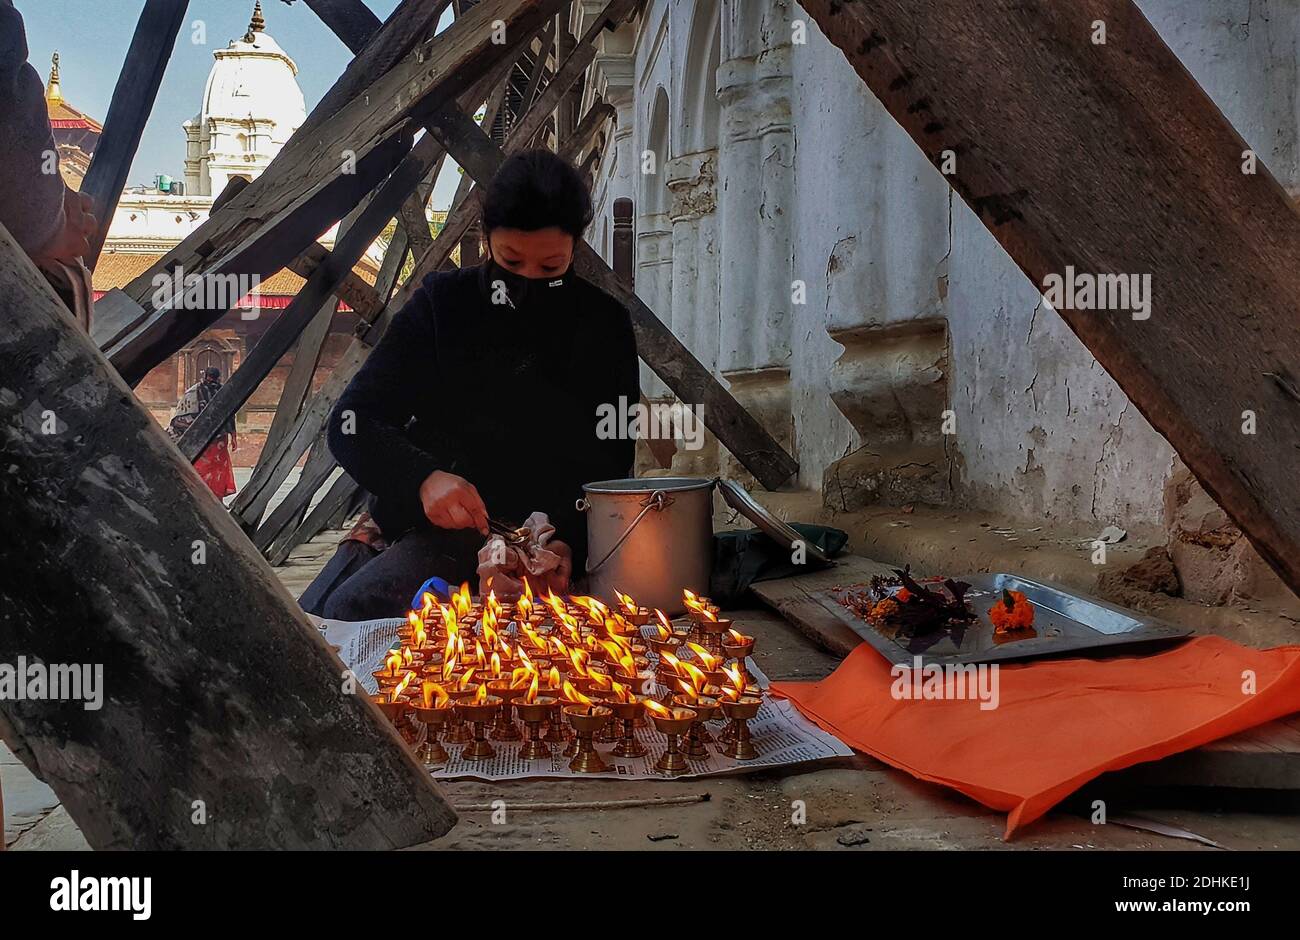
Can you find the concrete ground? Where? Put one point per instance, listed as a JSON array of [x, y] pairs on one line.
[[854, 804]]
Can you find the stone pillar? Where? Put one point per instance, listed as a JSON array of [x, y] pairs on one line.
[[691, 180], [755, 186]]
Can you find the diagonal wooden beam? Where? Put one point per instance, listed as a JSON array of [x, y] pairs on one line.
[[127, 564], [1108, 159], [733, 426], [133, 100]]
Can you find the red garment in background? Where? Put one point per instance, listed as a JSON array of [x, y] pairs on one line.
[[215, 467]]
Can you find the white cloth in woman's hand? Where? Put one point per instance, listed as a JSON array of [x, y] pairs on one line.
[[506, 565]]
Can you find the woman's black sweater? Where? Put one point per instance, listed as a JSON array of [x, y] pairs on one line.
[[505, 398]]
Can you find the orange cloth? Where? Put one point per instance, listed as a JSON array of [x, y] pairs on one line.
[[1058, 723]]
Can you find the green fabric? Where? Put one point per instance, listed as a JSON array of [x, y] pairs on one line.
[[743, 556]]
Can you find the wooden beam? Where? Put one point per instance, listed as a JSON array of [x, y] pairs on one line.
[[286, 516], [596, 117], [336, 500], [663, 352], [351, 21], [1108, 159], [133, 100], [215, 686]]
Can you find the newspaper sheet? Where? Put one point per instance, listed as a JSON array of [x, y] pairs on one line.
[[780, 733]]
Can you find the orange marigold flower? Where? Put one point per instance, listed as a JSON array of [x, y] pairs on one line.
[[1012, 612]]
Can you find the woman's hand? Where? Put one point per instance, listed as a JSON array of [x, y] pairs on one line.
[[452, 502], [73, 239]]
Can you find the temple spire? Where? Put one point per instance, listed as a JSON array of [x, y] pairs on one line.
[[257, 24], [53, 90]]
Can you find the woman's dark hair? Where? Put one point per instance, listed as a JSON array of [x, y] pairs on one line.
[[534, 190]]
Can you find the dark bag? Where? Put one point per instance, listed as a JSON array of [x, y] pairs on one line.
[[743, 556]]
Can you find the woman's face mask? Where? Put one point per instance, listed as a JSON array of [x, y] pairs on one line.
[[523, 267]]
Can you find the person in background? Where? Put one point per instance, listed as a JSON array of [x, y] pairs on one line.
[[482, 398], [51, 222], [214, 464]]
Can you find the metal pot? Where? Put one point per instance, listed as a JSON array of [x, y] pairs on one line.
[[649, 538]]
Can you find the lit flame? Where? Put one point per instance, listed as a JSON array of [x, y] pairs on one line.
[[622, 693], [658, 709], [401, 686], [573, 695], [697, 677], [579, 659], [519, 677], [737, 637], [672, 662], [534, 639], [448, 669], [600, 681], [480, 697], [737, 682], [688, 690], [479, 656], [489, 629], [711, 662], [461, 600], [628, 604], [393, 663], [435, 696], [496, 665], [628, 665], [528, 593], [427, 603], [709, 614], [464, 682], [553, 679], [531, 695], [689, 599], [407, 656]]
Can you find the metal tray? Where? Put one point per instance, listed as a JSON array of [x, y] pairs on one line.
[[1065, 623]]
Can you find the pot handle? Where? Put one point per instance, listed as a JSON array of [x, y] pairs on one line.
[[658, 501]]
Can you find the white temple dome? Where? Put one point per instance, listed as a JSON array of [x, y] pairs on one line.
[[251, 105]]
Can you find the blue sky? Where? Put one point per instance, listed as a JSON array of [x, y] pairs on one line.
[[92, 36]]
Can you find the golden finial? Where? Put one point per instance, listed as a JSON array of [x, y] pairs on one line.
[[53, 91], [258, 24]]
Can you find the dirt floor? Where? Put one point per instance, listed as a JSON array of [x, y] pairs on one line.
[[854, 804]]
